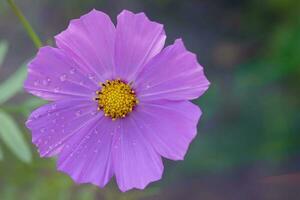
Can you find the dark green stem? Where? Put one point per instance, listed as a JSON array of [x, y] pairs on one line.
[[33, 36]]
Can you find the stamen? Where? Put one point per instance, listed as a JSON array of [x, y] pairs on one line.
[[116, 98]]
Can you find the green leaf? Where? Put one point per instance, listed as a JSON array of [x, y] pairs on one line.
[[3, 50], [13, 138], [13, 84], [1, 154]]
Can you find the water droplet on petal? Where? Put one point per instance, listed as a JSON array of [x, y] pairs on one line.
[[63, 77], [53, 106], [45, 82], [57, 89], [94, 113], [35, 83], [43, 130], [78, 113], [72, 71], [91, 76], [133, 142]]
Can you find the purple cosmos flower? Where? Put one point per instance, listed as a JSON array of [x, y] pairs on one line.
[[120, 101]]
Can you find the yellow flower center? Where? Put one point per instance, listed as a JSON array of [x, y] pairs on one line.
[[116, 98]]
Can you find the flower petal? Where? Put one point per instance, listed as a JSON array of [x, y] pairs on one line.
[[90, 41], [52, 75], [136, 164], [137, 40], [174, 74], [86, 157], [53, 124], [169, 126]]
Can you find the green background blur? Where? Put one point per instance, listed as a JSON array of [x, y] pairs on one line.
[[248, 143]]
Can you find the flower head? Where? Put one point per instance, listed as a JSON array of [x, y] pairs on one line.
[[120, 101]]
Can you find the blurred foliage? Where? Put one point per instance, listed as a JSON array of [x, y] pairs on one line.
[[12, 137], [3, 51], [10, 133], [250, 112], [258, 117], [13, 84]]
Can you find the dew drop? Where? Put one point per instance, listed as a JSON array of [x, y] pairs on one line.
[[48, 113], [91, 77], [53, 106], [133, 142], [56, 89], [35, 83], [43, 130], [94, 113], [78, 113], [72, 71], [63, 77], [45, 82]]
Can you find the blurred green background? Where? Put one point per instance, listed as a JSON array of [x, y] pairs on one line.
[[248, 143]]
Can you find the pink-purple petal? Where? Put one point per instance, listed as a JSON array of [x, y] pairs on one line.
[[169, 126], [174, 74], [137, 40], [92, 148], [52, 75], [90, 41], [86, 157], [135, 161], [53, 124]]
